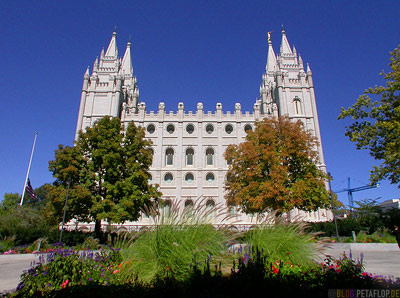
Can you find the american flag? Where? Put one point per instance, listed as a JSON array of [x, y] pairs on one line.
[[30, 191]]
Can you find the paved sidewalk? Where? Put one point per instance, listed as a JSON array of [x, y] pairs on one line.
[[11, 268], [379, 259]]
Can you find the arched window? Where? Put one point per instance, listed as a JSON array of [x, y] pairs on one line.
[[188, 211], [210, 208], [189, 156], [297, 106], [189, 204], [169, 157], [149, 179], [210, 156], [167, 207]]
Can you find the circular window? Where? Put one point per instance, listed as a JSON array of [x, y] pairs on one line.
[[248, 128], [209, 129], [168, 178], [210, 177], [190, 129], [189, 177], [151, 128], [170, 128], [229, 129]]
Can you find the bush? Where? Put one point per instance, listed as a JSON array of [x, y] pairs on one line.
[[24, 223]]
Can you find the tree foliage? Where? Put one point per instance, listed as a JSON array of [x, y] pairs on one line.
[[107, 169], [377, 125], [276, 168]]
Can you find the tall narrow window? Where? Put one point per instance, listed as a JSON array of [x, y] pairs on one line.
[[169, 157], [189, 156], [188, 211], [297, 106], [167, 208], [210, 156], [210, 205]]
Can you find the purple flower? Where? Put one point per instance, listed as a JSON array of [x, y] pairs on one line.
[[90, 279]]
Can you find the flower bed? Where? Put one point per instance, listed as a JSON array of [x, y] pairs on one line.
[[71, 273]]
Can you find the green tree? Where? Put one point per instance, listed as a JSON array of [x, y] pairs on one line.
[[377, 125], [107, 170], [10, 200], [276, 168]]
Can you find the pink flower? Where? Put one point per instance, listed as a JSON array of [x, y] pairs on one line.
[[115, 271]]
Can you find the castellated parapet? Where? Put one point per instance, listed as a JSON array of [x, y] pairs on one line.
[[188, 146]]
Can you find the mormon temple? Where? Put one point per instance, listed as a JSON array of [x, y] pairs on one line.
[[188, 146]]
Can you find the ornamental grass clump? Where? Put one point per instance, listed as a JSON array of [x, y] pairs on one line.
[[280, 239], [177, 238]]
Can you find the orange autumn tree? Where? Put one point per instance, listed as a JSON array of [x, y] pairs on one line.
[[276, 169]]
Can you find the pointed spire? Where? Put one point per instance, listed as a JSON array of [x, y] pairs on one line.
[[86, 76], [271, 60], [96, 64], [126, 60], [300, 61], [102, 54], [112, 50], [308, 68], [285, 47]]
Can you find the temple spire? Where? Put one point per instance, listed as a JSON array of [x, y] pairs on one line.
[[285, 47], [112, 50], [127, 68], [271, 60]]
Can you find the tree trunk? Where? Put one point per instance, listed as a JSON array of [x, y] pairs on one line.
[[97, 228]]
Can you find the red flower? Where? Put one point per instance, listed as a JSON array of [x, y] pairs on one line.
[[275, 270], [65, 283], [364, 273]]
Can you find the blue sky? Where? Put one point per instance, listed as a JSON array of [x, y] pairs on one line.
[[189, 51]]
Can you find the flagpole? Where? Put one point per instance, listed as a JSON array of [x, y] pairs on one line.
[[29, 168]]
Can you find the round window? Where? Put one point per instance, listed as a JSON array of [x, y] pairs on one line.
[[170, 128], [229, 129], [151, 128], [189, 177], [248, 128], [190, 129], [168, 178], [210, 177], [209, 129]]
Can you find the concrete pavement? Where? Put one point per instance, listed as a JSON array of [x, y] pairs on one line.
[[380, 259]]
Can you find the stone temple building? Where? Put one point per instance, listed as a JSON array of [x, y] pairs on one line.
[[188, 146]]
